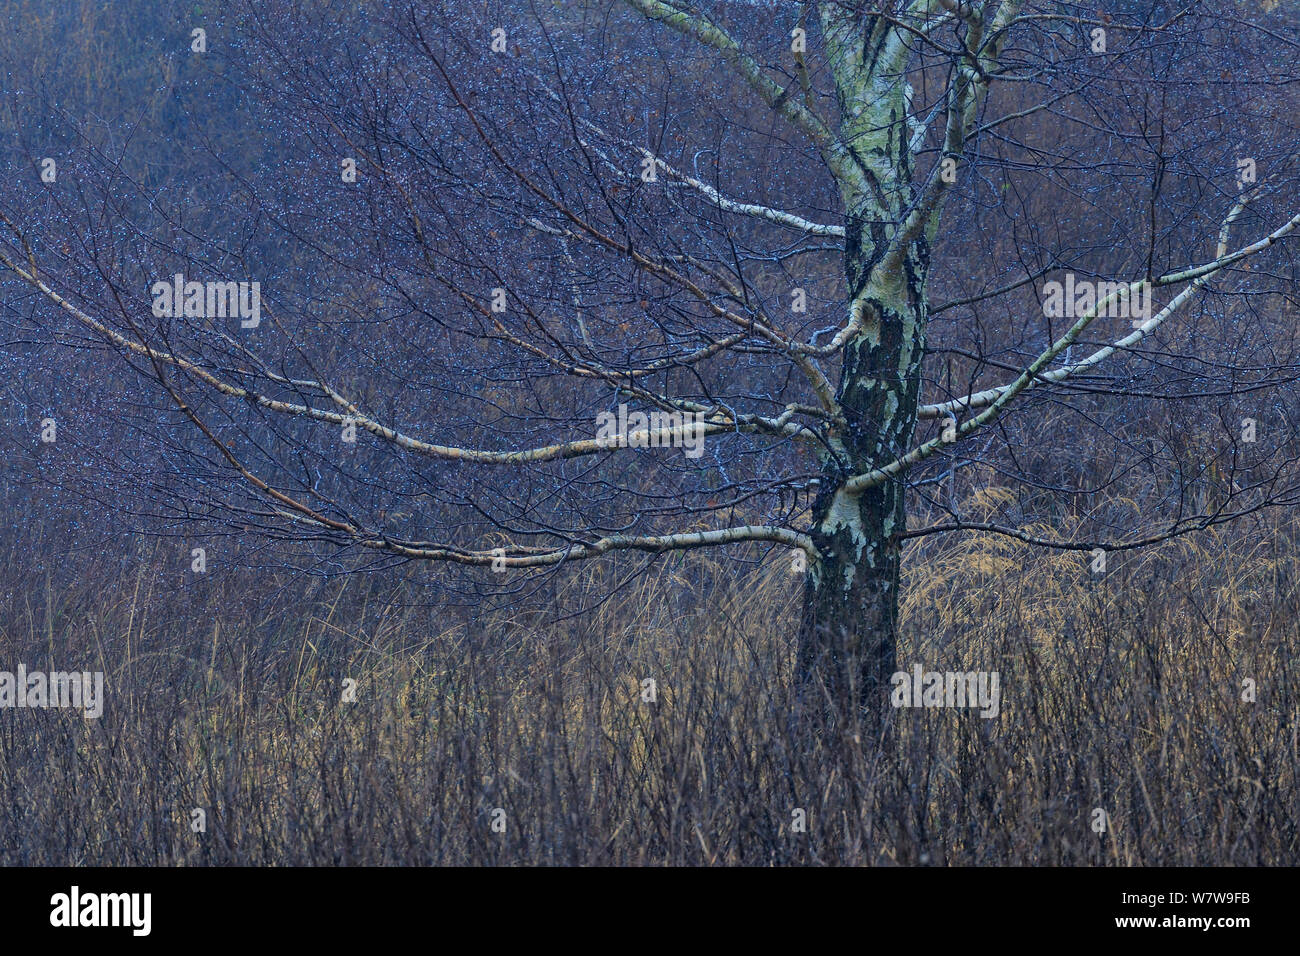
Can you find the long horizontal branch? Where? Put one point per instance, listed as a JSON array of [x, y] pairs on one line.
[[511, 558], [647, 437]]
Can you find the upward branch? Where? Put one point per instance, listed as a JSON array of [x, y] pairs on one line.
[[701, 28], [1004, 395]]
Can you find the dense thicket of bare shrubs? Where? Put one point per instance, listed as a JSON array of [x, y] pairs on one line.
[[1121, 692]]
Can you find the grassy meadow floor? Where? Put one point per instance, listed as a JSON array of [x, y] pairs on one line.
[[1121, 692]]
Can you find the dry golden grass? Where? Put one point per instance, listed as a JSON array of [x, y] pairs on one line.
[[1121, 692]]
